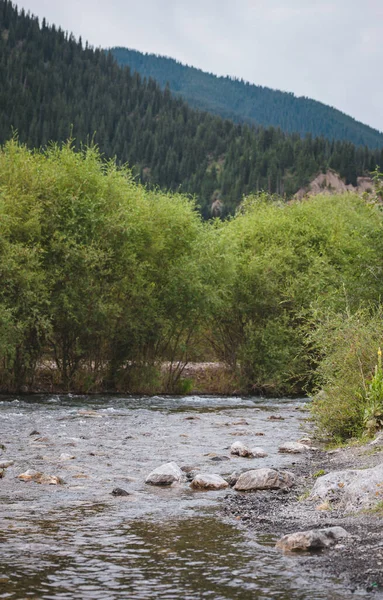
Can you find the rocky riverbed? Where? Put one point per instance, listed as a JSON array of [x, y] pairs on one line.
[[143, 498], [339, 488]]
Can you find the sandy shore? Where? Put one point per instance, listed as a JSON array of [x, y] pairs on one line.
[[358, 561]]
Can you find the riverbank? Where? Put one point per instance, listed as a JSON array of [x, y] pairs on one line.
[[207, 378], [358, 559]]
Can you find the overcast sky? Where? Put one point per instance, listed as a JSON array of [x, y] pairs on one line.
[[331, 51]]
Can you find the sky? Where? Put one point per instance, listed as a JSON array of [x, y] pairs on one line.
[[330, 51]]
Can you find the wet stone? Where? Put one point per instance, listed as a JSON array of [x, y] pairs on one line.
[[258, 453], [293, 448], [189, 468], [165, 475], [239, 449], [119, 492], [37, 477], [314, 539], [208, 481], [264, 479]]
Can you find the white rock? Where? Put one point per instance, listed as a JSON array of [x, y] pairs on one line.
[[353, 489], [30, 475], [313, 539], [49, 480], [264, 479], [37, 477], [66, 456], [293, 448], [258, 453], [207, 481], [165, 474], [240, 449]]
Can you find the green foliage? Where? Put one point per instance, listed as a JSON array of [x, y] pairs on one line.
[[243, 102], [344, 344], [373, 412], [184, 386], [319, 473], [378, 183], [119, 286], [288, 258], [97, 272], [377, 509]]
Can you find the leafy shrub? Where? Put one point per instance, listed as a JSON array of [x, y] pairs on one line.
[[97, 271], [373, 412], [288, 258], [345, 346]]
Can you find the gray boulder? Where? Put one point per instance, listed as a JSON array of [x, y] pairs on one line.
[[165, 475], [293, 448], [207, 481], [264, 479], [258, 453], [239, 449], [352, 489], [314, 539]]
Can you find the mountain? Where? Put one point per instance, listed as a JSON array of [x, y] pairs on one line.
[[243, 102], [52, 86]]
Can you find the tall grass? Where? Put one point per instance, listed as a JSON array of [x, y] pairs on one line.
[[346, 346]]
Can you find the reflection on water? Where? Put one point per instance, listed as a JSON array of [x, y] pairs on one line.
[[90, 556], [79, 541]]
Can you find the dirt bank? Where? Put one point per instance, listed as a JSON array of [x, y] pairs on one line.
[[269, 515]]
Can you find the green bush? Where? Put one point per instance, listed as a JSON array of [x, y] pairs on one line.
[[97, 272], [109, 280], [373, 412], [288, 258], [345, 344]]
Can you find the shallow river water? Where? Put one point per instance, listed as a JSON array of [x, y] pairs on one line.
[[77, 540]]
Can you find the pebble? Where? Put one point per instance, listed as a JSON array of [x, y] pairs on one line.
[[119, 492]]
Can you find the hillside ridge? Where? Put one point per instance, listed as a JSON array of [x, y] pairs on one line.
[[54, 87], [242, 101]]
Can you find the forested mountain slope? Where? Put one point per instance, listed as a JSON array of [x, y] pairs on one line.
[[52, 86], [247, 103]]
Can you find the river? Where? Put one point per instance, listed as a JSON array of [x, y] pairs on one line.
[[77, 540]]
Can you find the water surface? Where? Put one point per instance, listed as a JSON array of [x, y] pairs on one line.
[[78, 541]]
